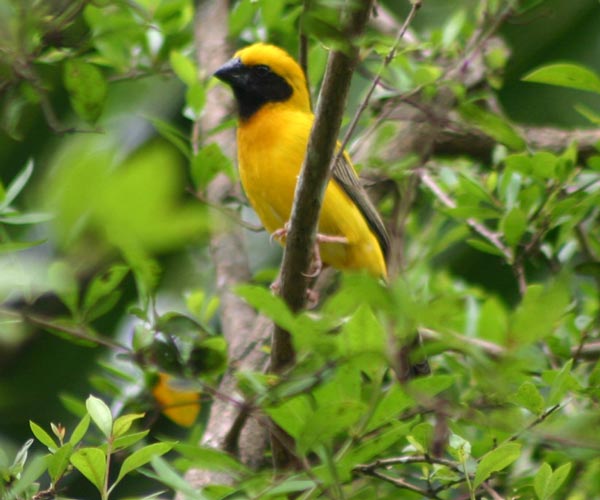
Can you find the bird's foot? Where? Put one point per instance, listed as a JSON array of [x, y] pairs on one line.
[[280, 233], [317, 263]]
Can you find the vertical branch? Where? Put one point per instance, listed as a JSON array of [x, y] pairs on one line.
[[310, 191]]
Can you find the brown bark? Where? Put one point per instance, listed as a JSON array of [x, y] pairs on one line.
[[228, 427]]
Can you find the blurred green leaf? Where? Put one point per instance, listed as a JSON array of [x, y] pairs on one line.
[[59, 461], [169, 476], [537, 315], [210, 161], [195, 98], [102, 285], [529, 397], [496, 460], [16, 186], [513, 225], [566, 75], [184, 67], [493, 125], [210, 459], [547, 482], [87, 88], [141, 457], [128, 440], [24, 218]]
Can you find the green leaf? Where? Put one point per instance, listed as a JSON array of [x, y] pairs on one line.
[[363, 342], [184, 67], [372, 446], [544, 165], [268, 304], [123, 423], [195, 98], [566, 75], [87, 88], [529, 397], [103, 285], [539, 312], [31, 472], [210, 459], [591, 115], [289, 486], [25, 218], [91, 462], [21, 458], [495, 461], [484, 246], [173, 135], [141, 457], [42, 436], [17, 246], [493, 125], [562, 383], [395, 400], [242, 16], [17, 185], [58, 462], [513, 225], [209, 161], [541, 481], [291, 415], [80, 430], [64, 284], [167, 475], [100, 414], [493, 321], [128, 440], [546, 483]]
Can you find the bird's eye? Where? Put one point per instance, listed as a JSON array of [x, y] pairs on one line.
[[262, 69]]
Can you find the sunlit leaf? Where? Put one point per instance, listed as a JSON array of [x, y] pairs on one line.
[[100, 414], [566, 75], [91, 462], [496, 460]]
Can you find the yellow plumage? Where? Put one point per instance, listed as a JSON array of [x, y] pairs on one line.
[[272, 137]]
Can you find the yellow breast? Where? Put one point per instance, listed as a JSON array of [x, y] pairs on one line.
[[271, 148]]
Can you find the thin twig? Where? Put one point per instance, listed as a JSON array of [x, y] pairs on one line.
[[74, 331], [231, 214], [401, 483], [386, 62], [536, 422], [479, 228]]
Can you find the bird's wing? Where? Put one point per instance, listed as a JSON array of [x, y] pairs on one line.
[[345, 175]]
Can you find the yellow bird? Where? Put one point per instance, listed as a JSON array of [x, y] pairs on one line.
[[275, 121]]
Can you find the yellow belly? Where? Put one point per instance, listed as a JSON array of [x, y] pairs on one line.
[[270, 156]]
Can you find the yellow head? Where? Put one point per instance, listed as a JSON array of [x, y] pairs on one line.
[[260, 74]]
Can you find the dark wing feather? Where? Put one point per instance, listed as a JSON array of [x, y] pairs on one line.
[[345, 175]]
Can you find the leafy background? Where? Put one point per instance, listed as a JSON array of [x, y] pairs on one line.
[[108, 283]]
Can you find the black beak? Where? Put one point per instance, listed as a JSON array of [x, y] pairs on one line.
[[233, 72]]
